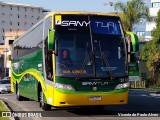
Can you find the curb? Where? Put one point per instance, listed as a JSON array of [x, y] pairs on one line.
[[155, 93], [150, 90], [8, 110]]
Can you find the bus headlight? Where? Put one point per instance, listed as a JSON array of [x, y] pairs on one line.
[[123, 85], [63, 86]]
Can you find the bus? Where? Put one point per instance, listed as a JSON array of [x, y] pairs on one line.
[[72, 59], [133, 49]]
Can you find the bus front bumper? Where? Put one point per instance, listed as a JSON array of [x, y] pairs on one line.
[[89, 98]]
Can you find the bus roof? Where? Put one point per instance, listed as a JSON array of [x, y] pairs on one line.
[[67, 13], [80, 13]]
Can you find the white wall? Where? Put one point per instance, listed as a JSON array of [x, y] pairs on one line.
[[153, 11], [155, 1], [9, 20], [150, 26]]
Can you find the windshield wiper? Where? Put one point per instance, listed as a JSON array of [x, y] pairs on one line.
[[93, 53], [103, 57], [85, 62]]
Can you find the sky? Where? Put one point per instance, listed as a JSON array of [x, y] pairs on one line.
[[70, 5]]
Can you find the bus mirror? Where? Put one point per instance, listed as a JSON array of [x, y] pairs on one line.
[[51, 41], [133, 38]]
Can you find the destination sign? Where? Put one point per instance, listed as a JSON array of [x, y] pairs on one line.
[[74, 71]]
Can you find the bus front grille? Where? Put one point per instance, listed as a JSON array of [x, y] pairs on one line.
[[95, 88]]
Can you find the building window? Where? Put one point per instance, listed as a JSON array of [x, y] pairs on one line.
[[10, 23], [10, 42], [25, 9], [25, 16], [32, 9], [18, 15], [3, 30], [10, 14], [2, 13], [156, 4], [3, 37], [18, 23], [140, 33], [38, 17], [10, 30], [18, 8], [11, 7], [2, 21]]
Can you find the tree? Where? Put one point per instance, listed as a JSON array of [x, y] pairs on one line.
[[132, 12], [151, 53]]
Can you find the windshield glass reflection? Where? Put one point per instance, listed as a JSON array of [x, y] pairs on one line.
[[74, 55], [95, 49]]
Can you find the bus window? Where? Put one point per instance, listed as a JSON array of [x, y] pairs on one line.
[[48, 53]]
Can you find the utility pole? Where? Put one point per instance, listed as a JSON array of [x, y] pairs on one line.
[[5, 61]]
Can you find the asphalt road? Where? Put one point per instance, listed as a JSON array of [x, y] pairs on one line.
[[141, 103]]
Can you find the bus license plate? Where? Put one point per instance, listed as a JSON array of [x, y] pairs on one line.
[[95, 98]]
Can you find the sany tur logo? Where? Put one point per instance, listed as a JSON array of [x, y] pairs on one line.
[[58, 22], [75, 23]]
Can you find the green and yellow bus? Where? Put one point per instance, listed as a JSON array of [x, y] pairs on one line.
[[72, 59], [133, 49]]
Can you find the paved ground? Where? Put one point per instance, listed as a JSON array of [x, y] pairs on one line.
[[141, 103]]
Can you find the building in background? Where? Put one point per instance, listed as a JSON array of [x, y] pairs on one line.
[[144, 28], [15, 19], [18, 17], [9, 39], [153, 10], [1, 61]]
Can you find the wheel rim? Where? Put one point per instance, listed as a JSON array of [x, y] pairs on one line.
[[41, 98]]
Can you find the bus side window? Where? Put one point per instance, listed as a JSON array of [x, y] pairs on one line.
[[48, 53], [49, 65]]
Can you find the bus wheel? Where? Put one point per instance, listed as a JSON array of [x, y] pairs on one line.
[[19, 98], [43, 105]]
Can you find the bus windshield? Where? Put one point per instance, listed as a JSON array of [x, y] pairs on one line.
[[89, 46]]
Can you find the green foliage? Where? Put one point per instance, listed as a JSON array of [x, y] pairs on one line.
[[154, 87], [151, 54], [132, 12], [125, 22]]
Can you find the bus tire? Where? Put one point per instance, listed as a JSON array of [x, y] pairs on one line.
[[43, 105], [19, 97]]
